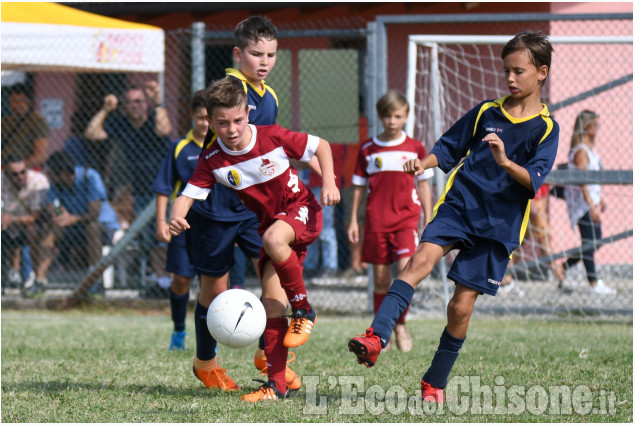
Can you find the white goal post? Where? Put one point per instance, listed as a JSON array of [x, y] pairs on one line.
[[433, 42]]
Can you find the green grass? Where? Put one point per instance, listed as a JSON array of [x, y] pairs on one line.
[[115, 367]]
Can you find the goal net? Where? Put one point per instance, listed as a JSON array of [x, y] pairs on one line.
[[448, 75]]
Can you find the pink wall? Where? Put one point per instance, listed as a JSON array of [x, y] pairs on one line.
[[574, 73]]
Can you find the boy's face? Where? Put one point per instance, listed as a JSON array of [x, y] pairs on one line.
[[256, 60], [199, 121], [394, 121], [522, 76], [230, 125]]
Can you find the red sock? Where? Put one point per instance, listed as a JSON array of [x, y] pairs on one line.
[[377, 299], [290, 274], [402, 318], [276, 352]]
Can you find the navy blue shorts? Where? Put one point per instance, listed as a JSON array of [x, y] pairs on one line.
[[178, 260], [210, 243], [481, 262]]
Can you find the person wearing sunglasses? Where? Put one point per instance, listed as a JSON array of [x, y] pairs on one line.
[[23, 194]]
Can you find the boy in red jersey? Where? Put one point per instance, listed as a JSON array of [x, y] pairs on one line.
[[255, 162], [392, 211], [501, 151]]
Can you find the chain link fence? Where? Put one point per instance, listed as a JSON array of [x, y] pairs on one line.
[[328, 76]]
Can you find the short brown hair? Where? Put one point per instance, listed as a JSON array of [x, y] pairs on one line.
[[390, 101], [198, 100], [225, 93], [254, 28], [538, 46]]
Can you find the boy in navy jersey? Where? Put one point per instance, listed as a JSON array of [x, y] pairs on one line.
[[392, 216], [176, 169], [255, 162], [501, 151]]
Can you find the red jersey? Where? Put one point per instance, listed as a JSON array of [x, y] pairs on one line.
[[392, 203], [261, 174]]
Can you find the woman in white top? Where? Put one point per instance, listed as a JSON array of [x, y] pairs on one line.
[[584, 202]]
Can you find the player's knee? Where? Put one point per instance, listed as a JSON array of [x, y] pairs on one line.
[[272, 242], [180, 284], [459, 311]]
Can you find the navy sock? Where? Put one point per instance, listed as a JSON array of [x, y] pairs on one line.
[[396, 301], [178, 304], [205, 343], [443, 361]]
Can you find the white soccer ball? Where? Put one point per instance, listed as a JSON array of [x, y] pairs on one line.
[[236, 318]]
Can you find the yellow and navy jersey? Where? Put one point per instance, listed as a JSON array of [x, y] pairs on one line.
[[177, 166], [222, 204], [480, 197]]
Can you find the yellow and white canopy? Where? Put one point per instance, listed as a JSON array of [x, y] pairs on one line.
[[53, 37]]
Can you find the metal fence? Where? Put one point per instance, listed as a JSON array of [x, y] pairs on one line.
[[328, 77]]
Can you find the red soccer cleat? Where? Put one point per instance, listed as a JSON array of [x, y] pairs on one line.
[[366, 347], [430, 393]]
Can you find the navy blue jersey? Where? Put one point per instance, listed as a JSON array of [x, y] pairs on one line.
[[177, 166], [480, 197], [222, 204]]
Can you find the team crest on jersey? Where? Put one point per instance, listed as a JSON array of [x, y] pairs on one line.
[[378, 162], [233, 177], [268, 168]]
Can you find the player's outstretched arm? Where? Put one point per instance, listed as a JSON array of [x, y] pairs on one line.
[[417, 166], [330, 194], [179, 210]]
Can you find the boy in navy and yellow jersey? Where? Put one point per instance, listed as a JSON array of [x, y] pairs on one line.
[[501, 151], [176, 169], [222, 220]]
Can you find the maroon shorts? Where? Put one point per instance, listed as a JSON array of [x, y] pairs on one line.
[[387, 248], [306, 221]]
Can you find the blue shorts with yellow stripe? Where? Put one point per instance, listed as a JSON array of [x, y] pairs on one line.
[[481, 262]]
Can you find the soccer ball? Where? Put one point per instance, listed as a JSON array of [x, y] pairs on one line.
[[236, 318]]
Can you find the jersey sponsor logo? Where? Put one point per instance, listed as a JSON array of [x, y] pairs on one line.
[[303, 215], [268, 168], [253, 107], [233, 178], [494, 130], [211, 154], [378, 162]]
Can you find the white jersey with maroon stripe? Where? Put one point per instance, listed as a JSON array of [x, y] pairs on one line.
[[392, 203], [261, 173]]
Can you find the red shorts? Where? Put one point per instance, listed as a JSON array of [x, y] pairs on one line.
[[387, 248], [543, 191], [306, 221]]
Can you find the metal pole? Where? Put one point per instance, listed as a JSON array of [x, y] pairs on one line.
[[198, 56]]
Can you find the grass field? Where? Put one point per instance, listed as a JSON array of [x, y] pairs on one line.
[[114, 366]]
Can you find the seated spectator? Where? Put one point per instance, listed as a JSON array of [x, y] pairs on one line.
[[24, 131], [78, 215], [23, 195]]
